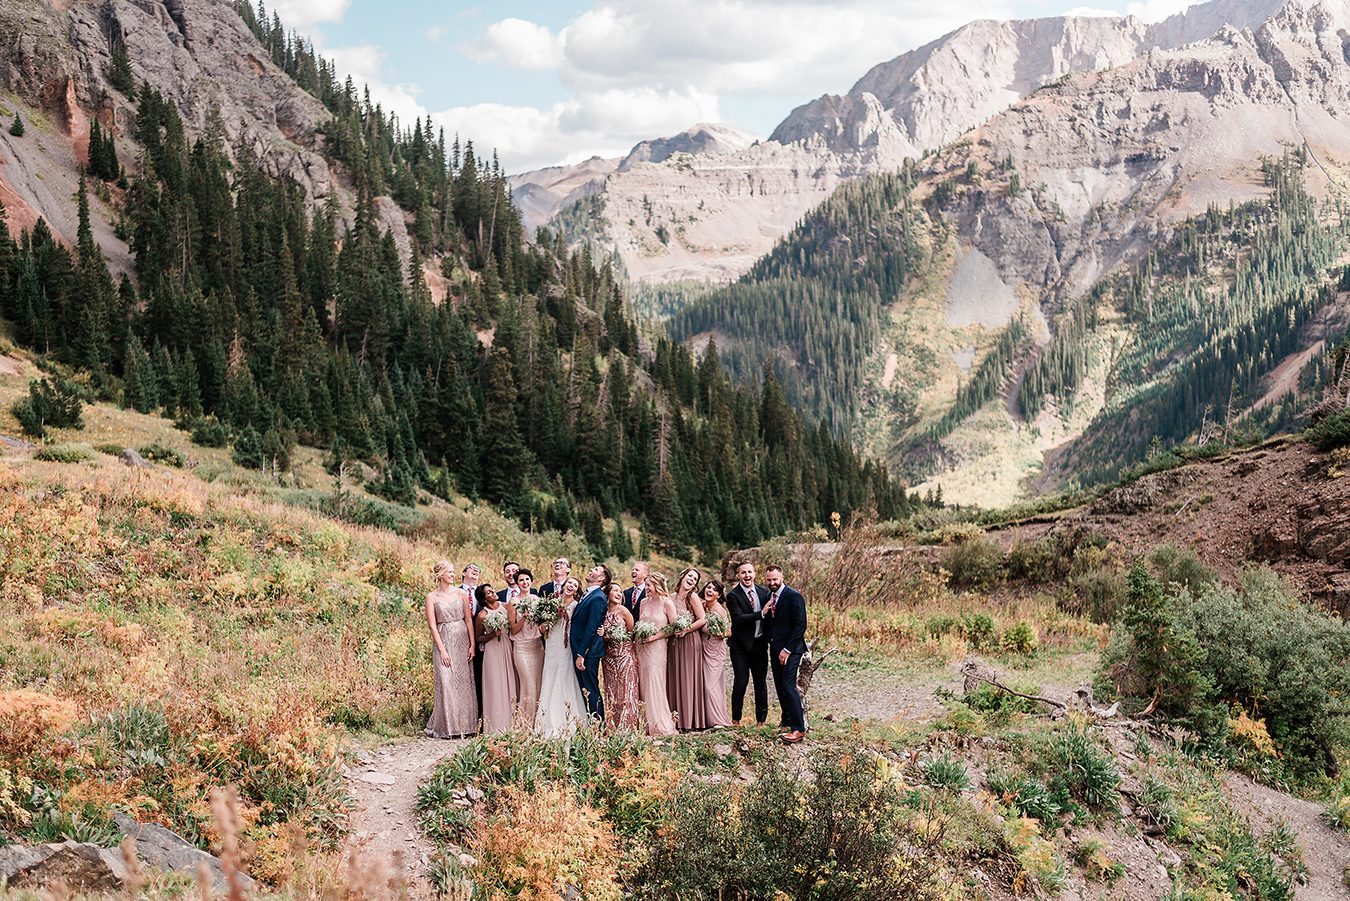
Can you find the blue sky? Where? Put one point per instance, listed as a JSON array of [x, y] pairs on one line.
[[557, 82]]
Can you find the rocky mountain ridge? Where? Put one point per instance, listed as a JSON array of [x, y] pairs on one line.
[[198, 53], [707, 215]]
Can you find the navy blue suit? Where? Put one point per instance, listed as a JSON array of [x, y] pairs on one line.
[[788, 633], [584, 642]]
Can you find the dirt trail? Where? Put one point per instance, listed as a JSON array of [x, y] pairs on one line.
[[1326, 852], [384, 784]]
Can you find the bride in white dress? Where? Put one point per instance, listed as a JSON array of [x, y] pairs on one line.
[[561, 707]]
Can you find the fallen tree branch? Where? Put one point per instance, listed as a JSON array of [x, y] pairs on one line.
[[971, 671]]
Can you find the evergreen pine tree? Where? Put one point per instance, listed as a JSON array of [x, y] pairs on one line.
[[16, 127], [119, 75]]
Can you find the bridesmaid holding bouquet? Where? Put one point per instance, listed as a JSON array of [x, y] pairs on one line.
[[499, 674], [619, 666], [649, 634], [684, 678], [715, 630]]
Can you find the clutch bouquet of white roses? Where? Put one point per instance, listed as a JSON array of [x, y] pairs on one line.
[[643, 630], [717, 626], [495, 621]]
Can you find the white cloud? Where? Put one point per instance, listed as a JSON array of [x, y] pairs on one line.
[[436, 33], [1092, 12], [520, 44], [304, 14], [607, 122], [1157, 10]]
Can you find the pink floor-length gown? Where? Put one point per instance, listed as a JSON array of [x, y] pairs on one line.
[[684, 675], [499, 685], [715, 678], [651, 660], [619, 668]]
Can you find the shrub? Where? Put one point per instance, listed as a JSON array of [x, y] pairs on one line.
[[1034, 561], [837, 832], [975, 564], [159, 452], [1099, 593], [1338, 811], [540, 843], [248, 451], [63, 453], [16, 127], [1258, 648], [1020, 638], [1026, 795], [979, 629], [1181, 567], [112, 450], [988, 699], [947, 774], [1081, 768], [209, 432], [1331, 432], [57, 404], [1091, 855]]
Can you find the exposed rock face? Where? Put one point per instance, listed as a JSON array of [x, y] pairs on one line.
[[83, 867], [197, 53], [166, 850], [936, 93], [702, 139], [686, 208]]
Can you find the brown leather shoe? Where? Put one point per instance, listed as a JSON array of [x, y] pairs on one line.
[[792, 738]]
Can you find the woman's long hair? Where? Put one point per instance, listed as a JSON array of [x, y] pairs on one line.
[[657, 583], [679, 581]]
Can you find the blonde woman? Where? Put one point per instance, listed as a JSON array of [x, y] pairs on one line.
[[658, 612], [684, 677], [454, 709]]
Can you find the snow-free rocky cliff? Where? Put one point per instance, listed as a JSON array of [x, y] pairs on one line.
[[54, 64], [709, 211]]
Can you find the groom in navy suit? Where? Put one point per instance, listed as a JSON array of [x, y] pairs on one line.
[[586, 642], [787, 643]]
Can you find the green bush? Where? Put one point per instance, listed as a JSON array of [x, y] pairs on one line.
[[988, 699], [1081, 768], [946, 773], [51, 403], [1025, 794], [248, 450], [1099, 593], [837, 832], [975, 564], [162, 453], [63, 453], [1020, 638], [979, 630], [1036, 561], [208, 431], [112, 450], [1331, 432], [1258, 647], [1181, 567]]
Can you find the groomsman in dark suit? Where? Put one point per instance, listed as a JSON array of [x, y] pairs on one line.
[[562, 568], [749, 643], [632, 597], [471, 576], [509, 570], [585, 639], [787, 643]]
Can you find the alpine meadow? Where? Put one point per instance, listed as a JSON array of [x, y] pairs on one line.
[[430, 466]]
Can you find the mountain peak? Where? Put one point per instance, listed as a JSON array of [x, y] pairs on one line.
[[700, 139]]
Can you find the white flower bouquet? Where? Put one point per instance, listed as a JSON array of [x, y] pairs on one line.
[[618, 633], [543, 612], [717, 626], [495, 621], [684, 621], [643, 630]]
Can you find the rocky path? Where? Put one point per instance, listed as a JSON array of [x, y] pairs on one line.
[[1326, 852], [384, 784]]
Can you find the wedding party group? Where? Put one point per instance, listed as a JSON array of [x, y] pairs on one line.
[[572, 653]]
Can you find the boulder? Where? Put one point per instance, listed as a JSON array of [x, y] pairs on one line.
[[133, 459], [84, 868], [166, 850]]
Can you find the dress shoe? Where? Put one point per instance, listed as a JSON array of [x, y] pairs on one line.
[[792, 738]]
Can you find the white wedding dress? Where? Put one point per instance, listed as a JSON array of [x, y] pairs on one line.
[[561, 707]]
